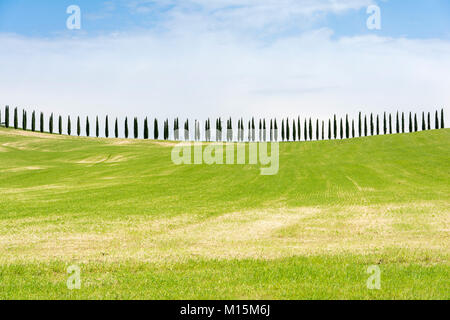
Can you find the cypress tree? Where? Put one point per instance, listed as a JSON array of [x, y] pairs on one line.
[[33, 121], [341, 131], [69, 126], [329, 129], [135, 128], [403, 122], [88, 129], [410, 123], [275, 130], [146, 128], [390, 123], [423, 122], [442, 119], [126, 128], [299, 129], [253, 130], [384, 123], [429, 121], [78, 126], [317, 130], [264, 130], [97, 127], [335, 127], [353, 128], [305, 130], [294, 133], [397, 124], [7, 116], [16, 119], [378, 125], [156, 130], [41, 120], [60, 125], [260, 130], [360, 125], [24, 120], [310, 129], [116, 128], [415, 123], [106, 127], [323, 130], [50, 123], [365, 125], [436, 121], [347, 127], [282, 130], [287, 130], [371, 125]]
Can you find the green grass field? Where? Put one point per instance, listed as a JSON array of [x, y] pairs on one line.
[[140, 227]]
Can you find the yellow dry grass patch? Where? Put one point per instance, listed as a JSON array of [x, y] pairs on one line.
[[262, 234]]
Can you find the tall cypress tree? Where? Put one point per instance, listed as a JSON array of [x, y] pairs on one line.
[[397, 124], [384, 123], [106, 127], [305, 130], [146, 128], [126, 128], [323, 130], [264, 129], [24, 120], [275, 130], [310, 129], [97, 127], [33, 121], [282, 130], [378, 125], [436, 121], [442, 119], [7, 116], [253, 130], [423, 122], [416, 128], [403, 122], [429, 121], [410, 122], [329, 129], [116, 128], [78, 126], [135, 128], [50, 123], [317, 129], [341, 129], [365, 125], [69, 126], [16, 119], [287, 130], [88, 128], [390, 123], [353, 128], [41, 120], [360, 125], [294, 133], [335, 127], [347, 127], [299, 129], [156, 130], [60, 125], [371, 125], [271, 130]]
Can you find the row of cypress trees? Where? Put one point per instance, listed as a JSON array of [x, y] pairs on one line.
[[342, 128]]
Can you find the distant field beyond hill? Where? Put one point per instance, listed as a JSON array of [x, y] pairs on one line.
[[140, 227]]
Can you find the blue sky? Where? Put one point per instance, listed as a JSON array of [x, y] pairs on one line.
[[46, 18], [239, 58]]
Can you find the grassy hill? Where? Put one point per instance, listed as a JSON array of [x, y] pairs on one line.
[[140, 227]]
